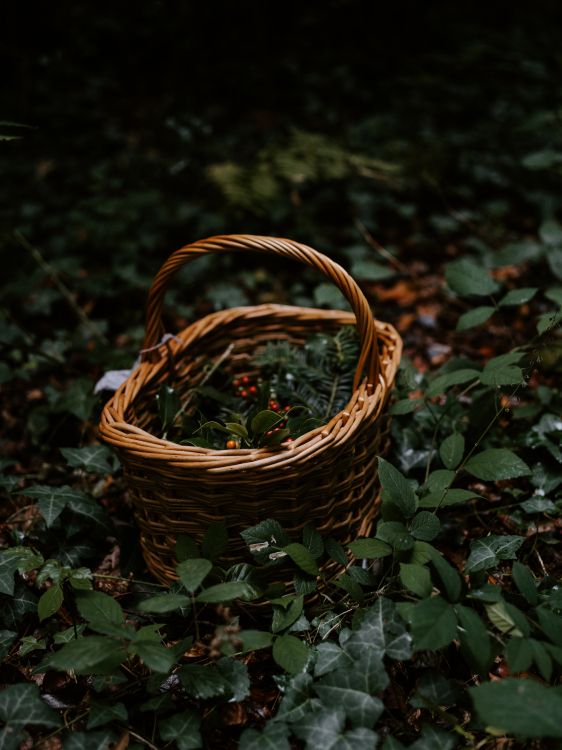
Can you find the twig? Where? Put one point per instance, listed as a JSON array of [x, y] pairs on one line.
[[60, 285], [370, 240]]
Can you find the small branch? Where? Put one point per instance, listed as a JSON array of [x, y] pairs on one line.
[[60, 285], [370, 240]]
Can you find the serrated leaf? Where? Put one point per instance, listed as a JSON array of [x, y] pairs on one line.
[[434, 624], [425, 526], [495, 464], [451, 450], [449, 576], [93, 458], [254, 640], [525, 582], [302, 557], [475, 317], [518, 296], [157, 657], [312, 540], [397, 488], [395, 534], [95, 606], [370, 548], [182, 728], [162, 603], [291, 653], [446, 497], [458, 377], [94, 654], [335, 551], [49, 602], [416, 578], [476, 644], [519, 654], [193, 572], [228, 592], [203, 681], [507, 375], [467, 278], [21, 705], [521, 707], [215, 540]]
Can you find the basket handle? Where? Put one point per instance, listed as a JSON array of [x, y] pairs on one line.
[[369, 356]]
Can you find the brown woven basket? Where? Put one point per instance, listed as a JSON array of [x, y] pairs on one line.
[[327, 477]]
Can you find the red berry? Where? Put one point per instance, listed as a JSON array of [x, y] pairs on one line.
[[273, 405], [245, 380], [268, 434], [231, 444], [236, 383], [253, 389], [244, 394], [286, 409]]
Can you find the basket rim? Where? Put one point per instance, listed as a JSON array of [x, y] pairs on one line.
[[363, 399]]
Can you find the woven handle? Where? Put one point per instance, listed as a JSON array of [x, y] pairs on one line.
[[369, 357]]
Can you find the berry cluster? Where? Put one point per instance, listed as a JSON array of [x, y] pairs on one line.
[[244, 387]]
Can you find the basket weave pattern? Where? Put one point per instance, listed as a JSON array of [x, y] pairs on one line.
[[327, 477]]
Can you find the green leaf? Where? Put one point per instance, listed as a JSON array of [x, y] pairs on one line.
[[525, 582], [291, 653], [156, 657], [449, 576], [21, 603], [518, 296], [542, 658], [446, 497], [182, 728], [21, 706], [495, 464], [186, 548], [348, 690], [425, 526], [475, 317], [335, 551], [503, 375], [416, 578], [49, 602], [458, 377], [434, 690], [101, 714], [369, 548], [302, 557], [521, 707], [397, 488], [193, 572], [228, 592], [486, 553], [284, 618], [100, 740], [95, 606], [476, 644], [370, 270], [203, 680], [405, 406], [8, 567], [434, 624], [254, 640], [273, 737], [53, 500], [519, 654], [93, 458], [95, 654], [396, 534], [451, 450], [433, 738], [265, 421], [382, 631], [237, 429], [507, 618], [7, 637], [329, 657], [162, 603], [89, 512], [350, 586], [235, 674], [467, 278], [215, 540], [550, 232], [551, 624], [312, 540]]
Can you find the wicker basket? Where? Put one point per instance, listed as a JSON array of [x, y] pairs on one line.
[[327, 477]]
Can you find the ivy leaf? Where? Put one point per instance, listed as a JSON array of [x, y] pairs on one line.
[[521, 707], [475, 317], [101, 714], [433, 738], [346, 690], [329, 657], [49, 602], [8, 566], [467, 278], [7, 637], [451, 450], [381, 630], [497, 463], [425, 526], [416, 578], [518, 296], [369, 548], [236, 677], [486, 553], [397, 488], [21, 603], [302, 557], [21, 705], [476, 644], [99, 740], [324, 730], [182, 728], [53, 500], [228, 592], [434, 690], [215, 540], [93, 458], [291, 653], [273, 737], [193, 572], [434, 624]]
